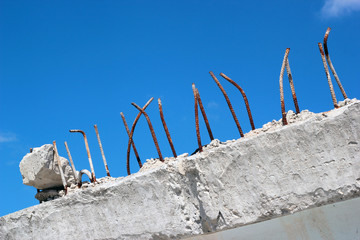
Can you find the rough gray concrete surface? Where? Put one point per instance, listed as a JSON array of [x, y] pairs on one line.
[[40, 170], [270, 173]]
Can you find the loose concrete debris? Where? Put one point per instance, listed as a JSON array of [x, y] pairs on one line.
[[55, 193], [295, 118], [86, 184], [40, 170]]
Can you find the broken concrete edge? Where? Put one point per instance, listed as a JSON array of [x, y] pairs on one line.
[[270, 127], [253, 179]]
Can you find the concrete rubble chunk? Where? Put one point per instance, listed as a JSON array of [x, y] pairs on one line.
[[40, 170], [278, 171]]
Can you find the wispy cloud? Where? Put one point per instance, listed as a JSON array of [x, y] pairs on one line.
[[337, 8], [212, 104], [12, 163], [7, 137]]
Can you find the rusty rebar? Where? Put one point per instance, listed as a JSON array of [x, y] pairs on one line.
[[72, 164], [131, 135], [281, 87], [328, 76], [204, 115], [132, 140], [102, 151], [197, 118], [244, 97], [151, 130], [292, 85], [56, 155], [87, 173], [228, 102], [166, 128], [88, 153], [330, 63]]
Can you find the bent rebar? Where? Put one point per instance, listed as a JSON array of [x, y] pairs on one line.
[[131, 135], [151, 130], [87, 173], [328, 76], [88, 152], [244, 97], [166, 128], [281, 87], [228, 102], [132, 141], [330, 63]]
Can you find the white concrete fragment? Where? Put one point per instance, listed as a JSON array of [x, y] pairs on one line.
[[283, 170], [40, 170]]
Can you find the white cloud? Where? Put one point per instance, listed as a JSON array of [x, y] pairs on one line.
[[212, 104], [337, 8], [7, 137]]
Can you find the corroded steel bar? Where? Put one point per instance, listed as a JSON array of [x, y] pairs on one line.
[[196, 99], [151, 130], [166, 128], [88, 152], [102, 151], [131, 135], [328, 76], [72, 164], [229, 103], [132, 140], [204, 115], [56, 155], [292, 85], [330, 63], [87, 173], [244, 97], [281, 87]]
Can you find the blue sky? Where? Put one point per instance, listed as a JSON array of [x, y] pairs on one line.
[[69, 65]]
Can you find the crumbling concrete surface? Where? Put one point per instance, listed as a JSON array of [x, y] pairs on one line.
[[308, 163], [40, 170]]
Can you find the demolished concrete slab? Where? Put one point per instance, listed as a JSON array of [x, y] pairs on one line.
[[40, 170], [278, 171]]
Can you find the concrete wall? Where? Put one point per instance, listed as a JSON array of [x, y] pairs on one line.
[[311, 162], [330, 222]]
